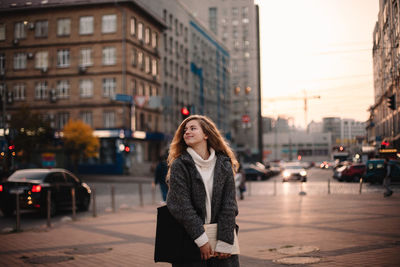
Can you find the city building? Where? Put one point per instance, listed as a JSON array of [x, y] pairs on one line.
[[297, 145], [235, 22], [195, 68], [97, 61], [383, 125], [315, 127]]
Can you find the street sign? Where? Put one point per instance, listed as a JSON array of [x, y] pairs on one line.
[[245, 118], [123, 98]]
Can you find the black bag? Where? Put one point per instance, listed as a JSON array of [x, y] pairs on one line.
[[173, 244]]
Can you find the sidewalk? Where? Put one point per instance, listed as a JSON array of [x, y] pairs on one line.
[[335, 230]]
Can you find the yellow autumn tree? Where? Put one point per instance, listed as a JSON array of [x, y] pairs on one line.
[[79, 141]]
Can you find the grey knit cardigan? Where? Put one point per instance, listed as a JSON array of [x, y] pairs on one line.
[[187, 197]]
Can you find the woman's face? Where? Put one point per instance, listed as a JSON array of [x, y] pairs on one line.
[[193, 134]]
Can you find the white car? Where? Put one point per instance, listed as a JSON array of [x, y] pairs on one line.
[[294, 172]]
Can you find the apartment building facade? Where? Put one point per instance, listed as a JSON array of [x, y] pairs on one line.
[[235, 22], [195, 68], [383, 125], [95, 61]]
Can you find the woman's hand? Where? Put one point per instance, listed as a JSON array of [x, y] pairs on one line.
[[206, 251], [221, 255]]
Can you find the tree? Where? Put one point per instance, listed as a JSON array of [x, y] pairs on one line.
[[79, 141], [29, 132]]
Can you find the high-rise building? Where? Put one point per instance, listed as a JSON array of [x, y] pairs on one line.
[[383, 125], [195, 68], [97, 61], [235, 22]]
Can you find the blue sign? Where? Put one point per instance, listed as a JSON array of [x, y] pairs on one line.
[[123, 98]]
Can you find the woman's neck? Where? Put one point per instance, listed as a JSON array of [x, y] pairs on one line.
[[202, 151]]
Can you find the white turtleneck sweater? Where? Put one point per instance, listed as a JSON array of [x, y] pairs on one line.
[[206, 170]]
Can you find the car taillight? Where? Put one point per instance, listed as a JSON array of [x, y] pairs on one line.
[[36, 188], [1, 188]]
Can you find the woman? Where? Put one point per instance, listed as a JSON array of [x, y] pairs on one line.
[[202, 188]]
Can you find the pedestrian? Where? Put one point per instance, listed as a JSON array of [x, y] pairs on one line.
[[160, 175], [202, 189], [240, 181], [386, 180]]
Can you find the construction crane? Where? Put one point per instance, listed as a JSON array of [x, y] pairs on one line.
[[305, 98]]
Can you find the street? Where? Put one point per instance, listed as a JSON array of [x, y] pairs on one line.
[[127, 195]]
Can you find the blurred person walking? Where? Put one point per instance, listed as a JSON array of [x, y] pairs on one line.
[[202, 189], [160, 176], [240, 182], [387, 179]]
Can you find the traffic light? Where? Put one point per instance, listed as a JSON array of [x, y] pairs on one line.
[[392, 102], [185, 112]]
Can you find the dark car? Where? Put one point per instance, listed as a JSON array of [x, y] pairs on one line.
[[376, 171], [350, 172], [33, 185], [257, 172]]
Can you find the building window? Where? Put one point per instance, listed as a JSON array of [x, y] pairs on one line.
[[134, 57], [165, 66], [133, 26], [87, 117], [63, 89], [109, 119], [212, 15], [147, 64], [165, 42], [140, 60], [86, 88], [63, 118], [109, 85], [20, 61], [63, 58], [2, 32], [41, 28], [42, 60], [235, 12], [109, 23], [140, 31], [154, 67], [147, 35], [133, 85], [154, 40], [19, 92], [41, 91], [19, 30], [86, 25], [109, 57], [63, 27], [86, 57], [2, 63]]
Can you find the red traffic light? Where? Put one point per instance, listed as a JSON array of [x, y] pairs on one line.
[[11, 147], [127, 149], [185, 111]]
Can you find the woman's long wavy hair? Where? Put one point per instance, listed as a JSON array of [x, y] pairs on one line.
[[214, 140]]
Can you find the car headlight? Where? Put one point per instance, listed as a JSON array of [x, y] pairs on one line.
[[286, 174], [303, 173]]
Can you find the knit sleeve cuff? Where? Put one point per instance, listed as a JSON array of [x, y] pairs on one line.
[[223, 247], [201, 240]]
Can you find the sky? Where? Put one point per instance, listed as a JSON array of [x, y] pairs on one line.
[[318, 48]]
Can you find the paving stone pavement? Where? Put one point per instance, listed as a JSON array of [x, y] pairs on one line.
[[336, 230]]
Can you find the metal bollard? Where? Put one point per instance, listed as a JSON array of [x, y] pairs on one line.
[[113, 198], [17, 213], [361, 183], [94, 202], [49, 208], [141, 194], [73, 204], [274, 187], [329, 186], [249, 185], [302, 192]]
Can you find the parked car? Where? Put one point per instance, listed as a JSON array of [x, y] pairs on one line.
[[294, 172], [257, 172], [33, 185], [375, 171], [351, 172]]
